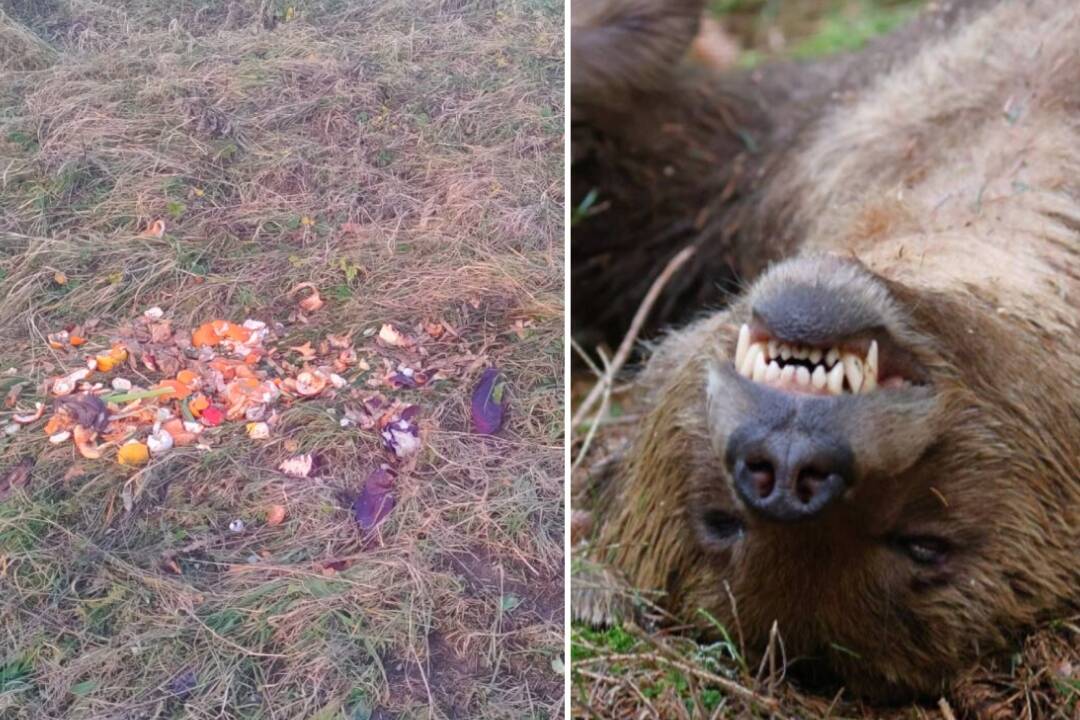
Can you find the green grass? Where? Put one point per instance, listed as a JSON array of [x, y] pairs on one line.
[[769, 29]]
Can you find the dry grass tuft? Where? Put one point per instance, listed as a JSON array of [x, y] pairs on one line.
[[406, 158], [21, 49]]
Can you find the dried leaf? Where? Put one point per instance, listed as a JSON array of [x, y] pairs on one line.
[[18, 475], [389, 335], [490, 402], [376, 499], [161, 332], [300, 466], [312, 302], [340, 342], [156, 229], [275, 514], [13, 394], [434, 329], [309, 303], [258, 430], [305, 351]]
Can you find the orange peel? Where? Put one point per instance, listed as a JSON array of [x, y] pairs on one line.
[[133, 453], [188, 378], [197, 404], [84, 441], [179, 389], [180, 434], [58, 423]]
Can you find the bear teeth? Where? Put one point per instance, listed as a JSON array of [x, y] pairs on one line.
[[831, 370]]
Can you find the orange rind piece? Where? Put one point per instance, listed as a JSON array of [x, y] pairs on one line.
[[133, 453]]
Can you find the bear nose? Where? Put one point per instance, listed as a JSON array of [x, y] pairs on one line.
[[788, 474]]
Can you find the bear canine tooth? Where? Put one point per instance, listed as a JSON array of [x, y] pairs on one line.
[[787, 374], [772, 373], [747, 367], [818, 377], [815, 356], [870, 382], [759, 366], [802, 375], [836, 379], [832, 356], [743, 345], [854, 371]]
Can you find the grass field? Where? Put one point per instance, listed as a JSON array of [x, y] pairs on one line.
[[405, 158], [631, 671]]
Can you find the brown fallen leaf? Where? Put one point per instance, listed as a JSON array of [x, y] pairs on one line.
[[275, 514], [305, 351], [392, 337], [18, 475], [13, 395], [300, 466], [311, 302], [340, 342], [156, 230]]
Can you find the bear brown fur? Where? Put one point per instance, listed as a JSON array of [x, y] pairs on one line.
[[926, 197]]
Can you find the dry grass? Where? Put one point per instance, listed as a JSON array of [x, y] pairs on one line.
[[257, 131]]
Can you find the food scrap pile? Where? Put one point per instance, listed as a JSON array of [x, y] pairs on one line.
[[155, 389]]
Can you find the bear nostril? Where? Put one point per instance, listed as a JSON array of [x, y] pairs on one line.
[[762, 476], [787, 473], [807, 484]]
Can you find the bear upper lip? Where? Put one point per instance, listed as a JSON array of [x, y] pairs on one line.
[[857, 365]]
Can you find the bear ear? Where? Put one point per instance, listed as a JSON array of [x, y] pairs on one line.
[[622, 47]]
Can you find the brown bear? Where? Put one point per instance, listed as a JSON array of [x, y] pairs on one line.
[[875, 445]]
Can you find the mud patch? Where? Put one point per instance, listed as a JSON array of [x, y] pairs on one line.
[[446, 678], [505, 580]]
